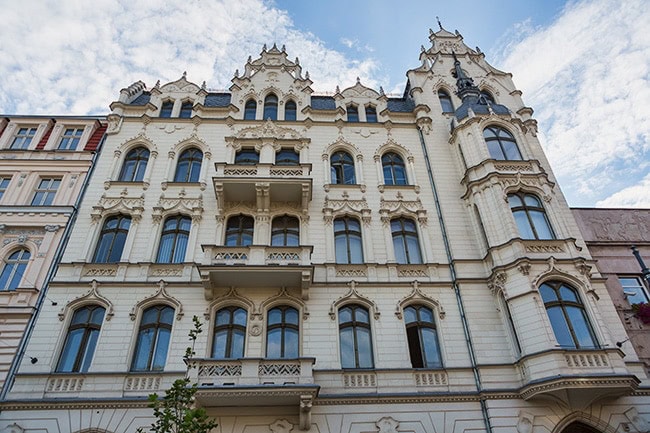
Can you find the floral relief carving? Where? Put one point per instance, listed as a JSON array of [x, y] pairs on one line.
[[390, 208], [190, 205], [133, 206], [334, 207]]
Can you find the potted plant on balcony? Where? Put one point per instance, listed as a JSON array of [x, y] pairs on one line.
[[176, 411], [642, 312]]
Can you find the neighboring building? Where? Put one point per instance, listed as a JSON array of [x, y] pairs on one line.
[[43, 166], [610, 235], [361, 263]]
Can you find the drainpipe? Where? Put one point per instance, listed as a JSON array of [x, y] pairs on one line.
[[48, 278], [454, 282]]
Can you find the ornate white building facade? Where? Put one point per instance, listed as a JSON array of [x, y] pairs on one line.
[[361, 263]]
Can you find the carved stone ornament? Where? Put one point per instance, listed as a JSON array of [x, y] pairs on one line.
[[283, 296], [525, 422], [133, 206], [333, 208], [161, 296], [231, 297], [281, 426], [392, 145], [92, 297], [271, 130], [387, 425], [180, 85], [497, 283], [390, 208], [354, 296], [638, 421], [180, 204], [535, 183], [417, 297], [192, 140], [13, 428]]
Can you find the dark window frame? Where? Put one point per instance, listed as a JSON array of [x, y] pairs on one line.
[[403, 235], [114, 233], [501, 144], [134, 165], [158, 327], [355, 325], [91, 329], [348, 234], [342, 168], [391, 164], [285, 230], [418, 341], [528, 211], [284, 328], [231, 329], [192, 158], [244, 234]]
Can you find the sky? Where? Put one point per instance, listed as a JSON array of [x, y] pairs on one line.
[[583, 65]]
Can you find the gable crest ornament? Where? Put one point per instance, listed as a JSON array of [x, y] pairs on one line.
[[91, 297], [354, 296], [161, 296], [185, 205], [391, 208], [133, 206], [416, 296], [333, 208]]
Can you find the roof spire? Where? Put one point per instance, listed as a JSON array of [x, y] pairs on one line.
[[439, 25], [465, 84]]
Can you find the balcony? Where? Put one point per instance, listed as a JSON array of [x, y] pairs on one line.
[[256, 266], [576, 378], [262, 184], [255, 382]]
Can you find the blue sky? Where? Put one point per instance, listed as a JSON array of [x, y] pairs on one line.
[[583, 65]]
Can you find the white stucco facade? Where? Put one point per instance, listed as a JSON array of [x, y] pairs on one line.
[[378, 238]]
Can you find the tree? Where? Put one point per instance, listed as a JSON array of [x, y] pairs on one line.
[[176, 412]]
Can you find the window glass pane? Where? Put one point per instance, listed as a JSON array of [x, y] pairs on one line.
[[514, 200], [560, 327], [400, 250], [541, 225], [532, 201], [144, 344], [271, 107], [80, 316], [347, 348], [547, 292], [239, 317], [413, 249], [219, 344], [431, 350], [274, 343], [371, 115], [223, 317], [69, 353], [160, 355], [400, 175], [365, 348], [167, 315], [90, 350], [97, 316], [291, 343], [348, 175], [495, 150], [356, 250], [361, 315], [581, 327], [426, 315], [341, 249], [237, 349], [250, 110], [410, 315], [567, 294], [525, 230], [345, 315], [291, 316], [353, 114], [290, 110], [275, 316], [511, 151]]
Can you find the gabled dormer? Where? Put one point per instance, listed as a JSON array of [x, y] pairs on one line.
[[361, 104], [272, 86]]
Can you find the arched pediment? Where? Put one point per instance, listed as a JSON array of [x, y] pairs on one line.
[[341, 144], [354, 297], [92, 297], [160, 297], [231, 297], [360, 90], [417, 297], [283, 298], [139, 140], [393, 146], [535, 184], [345, 206], [390, 209], [180, 85], [191, 141], [132, 206]]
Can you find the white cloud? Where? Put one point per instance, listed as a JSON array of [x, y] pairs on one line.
[[588, 77], [637, 196], [62, 57]]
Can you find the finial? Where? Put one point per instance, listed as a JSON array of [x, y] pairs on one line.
[[338, 90], [297, 61], [457, 33], [381, 91], [358, 80], [275, 47], [264, 48], [250, 59], [284, 49], [236, 73], [184, 74], [204, 85], [439, 25], [422, 49], [478, 50], [157, 84], [307, 75], [430, 32]]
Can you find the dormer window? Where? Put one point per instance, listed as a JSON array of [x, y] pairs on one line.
[[271, 107], [166, 109], [250, 110], [353, 113], [186, 110], [487, 96], [371, 114]]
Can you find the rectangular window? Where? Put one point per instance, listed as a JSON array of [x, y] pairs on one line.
[[23, 138], [4, 184], [70, 139], [634, 290], [45, 192]]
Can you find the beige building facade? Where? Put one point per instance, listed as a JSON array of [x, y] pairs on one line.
[[44, 163], [360, 262]]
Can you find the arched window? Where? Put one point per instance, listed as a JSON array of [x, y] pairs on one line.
[[285, 231], [135, 164], [567, 316], [353, 113], [188, 168], [81, 340], [342, 168], [347, 241], [354, 337], [14, 269], [247, 157], [394, 169], [282, 336], [422, 337], [287, 157], [186, 110], [445, 101], [271, 107], [153, 339], [229, 333], [487, 96], [250, 110], [166, 109], [371, 114], [173, 239], [530, 216], [405, 241], [290, 110], [239, 231], [501, 144], [112, 239]]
